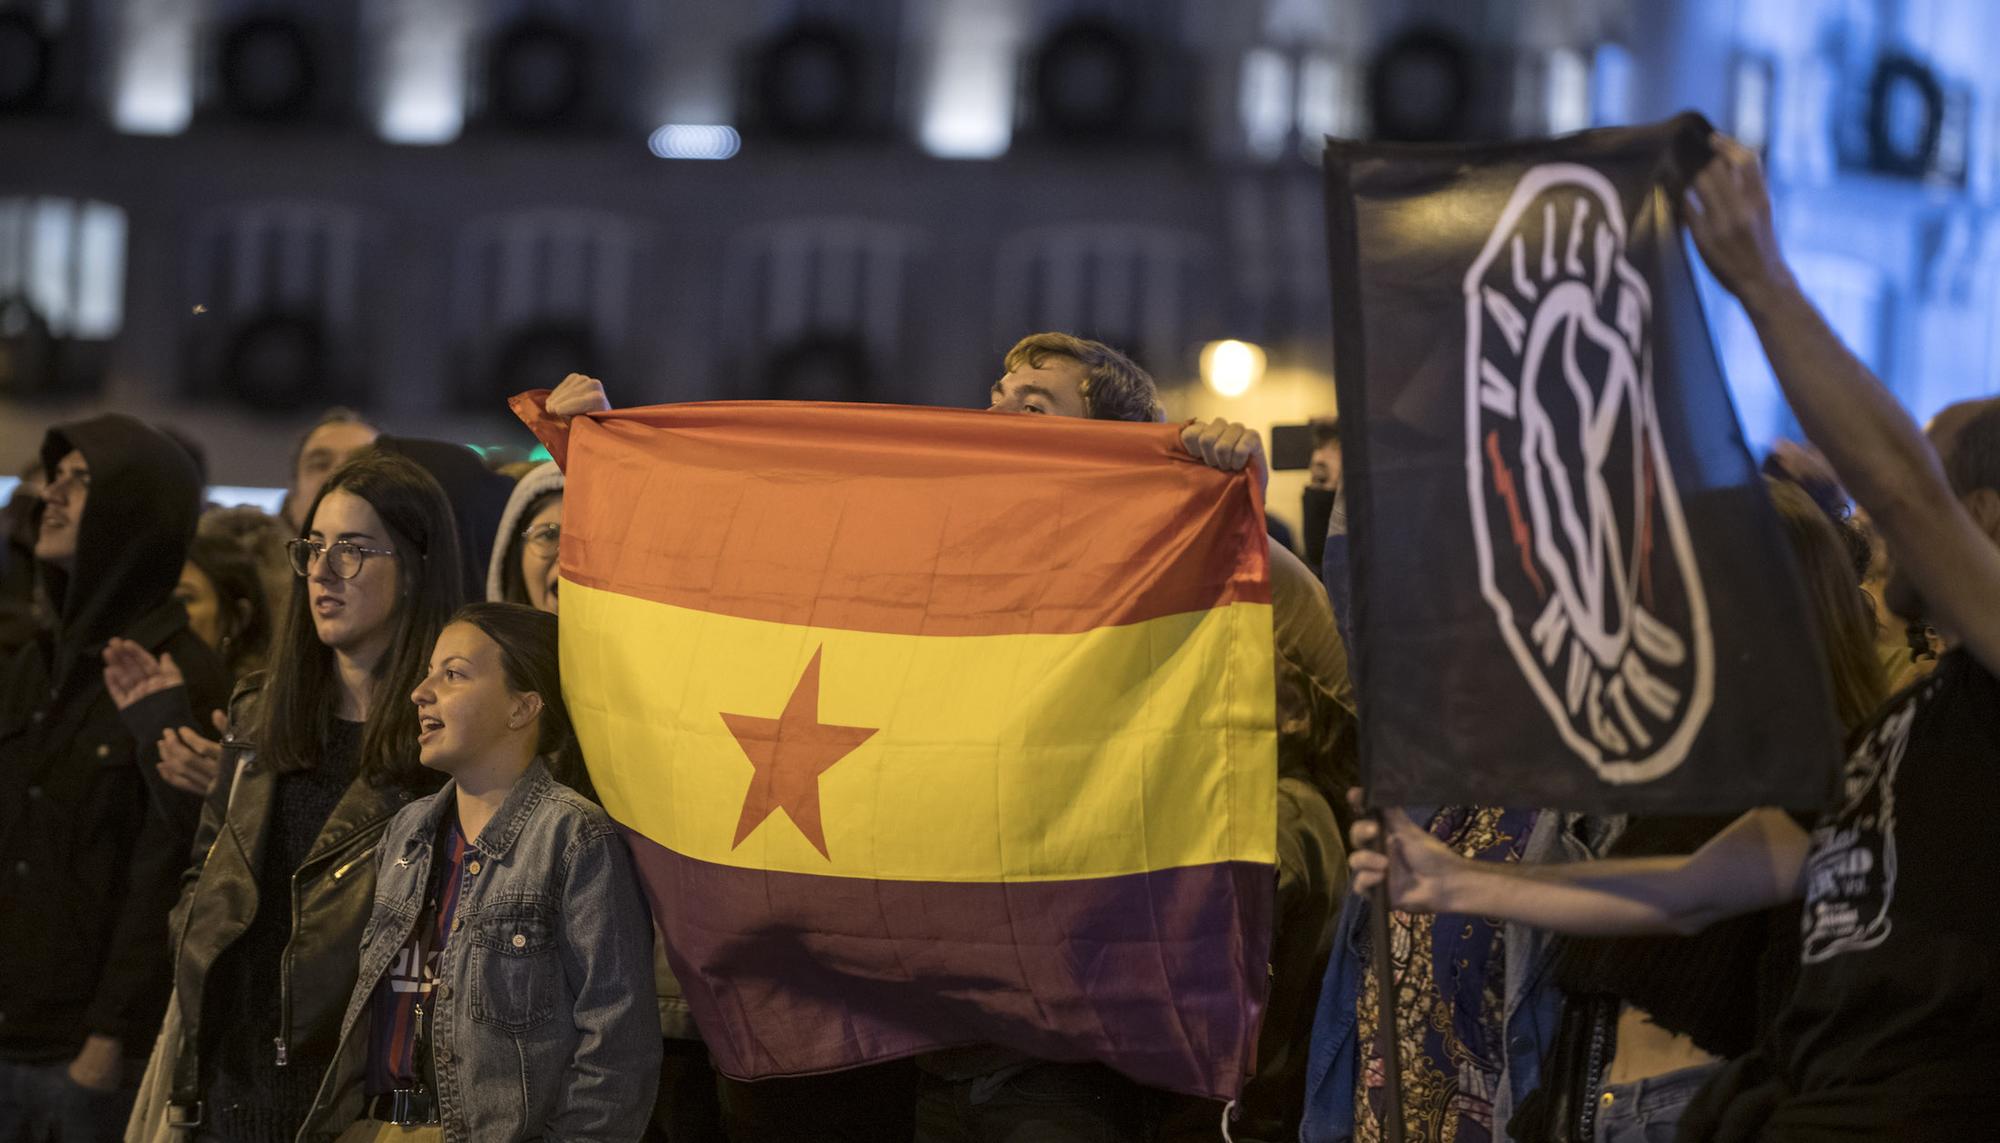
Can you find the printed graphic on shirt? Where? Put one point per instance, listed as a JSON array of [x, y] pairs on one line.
[[403, 995], [1851, 867], [413, 970], [1584, 554]]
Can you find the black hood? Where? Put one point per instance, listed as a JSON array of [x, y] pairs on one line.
[[478, 498], [137, 523]]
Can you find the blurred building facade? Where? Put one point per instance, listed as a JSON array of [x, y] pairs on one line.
[[231, 213]]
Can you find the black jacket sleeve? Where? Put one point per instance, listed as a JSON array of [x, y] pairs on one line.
[[133, 987], [146, 721]]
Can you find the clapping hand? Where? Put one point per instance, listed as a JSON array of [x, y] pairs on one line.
[[189, 760], [132, 673]]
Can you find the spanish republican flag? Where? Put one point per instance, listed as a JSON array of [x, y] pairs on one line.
[[931, 727]]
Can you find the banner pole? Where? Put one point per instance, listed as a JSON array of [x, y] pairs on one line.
[[1386, 1039]]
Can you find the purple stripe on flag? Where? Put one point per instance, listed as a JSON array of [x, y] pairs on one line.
[[1160, 975]]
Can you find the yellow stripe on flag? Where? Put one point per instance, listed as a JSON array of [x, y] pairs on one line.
[[986, 758]]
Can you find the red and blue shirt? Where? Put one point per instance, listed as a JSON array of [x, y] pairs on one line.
[[400, 1008]]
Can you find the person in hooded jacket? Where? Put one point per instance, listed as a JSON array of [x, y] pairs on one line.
[[92, 842], [524, 565]]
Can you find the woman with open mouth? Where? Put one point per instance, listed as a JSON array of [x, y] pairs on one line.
[[510, 949]]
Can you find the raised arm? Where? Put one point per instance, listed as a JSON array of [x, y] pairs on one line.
[[1878, 451], [1753, 864]]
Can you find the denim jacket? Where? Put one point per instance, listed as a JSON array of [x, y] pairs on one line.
[[543, 1021]]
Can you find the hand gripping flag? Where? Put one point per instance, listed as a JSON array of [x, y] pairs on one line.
[[930, 727], [1570, 588]]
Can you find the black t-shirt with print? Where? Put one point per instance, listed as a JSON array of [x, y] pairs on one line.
[[1901, 958]]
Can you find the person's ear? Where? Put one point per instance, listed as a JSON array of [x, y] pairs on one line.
[[527, 708]]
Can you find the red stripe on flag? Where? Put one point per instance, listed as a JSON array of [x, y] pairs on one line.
[[903, 520]]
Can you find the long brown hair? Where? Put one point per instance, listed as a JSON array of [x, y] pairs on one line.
[[297, 704], [1840, 611]]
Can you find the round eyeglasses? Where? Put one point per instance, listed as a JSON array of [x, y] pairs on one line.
[[344, 558], [543, 539]]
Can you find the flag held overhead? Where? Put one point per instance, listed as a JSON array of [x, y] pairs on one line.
[[1570, 589], [931, 727]]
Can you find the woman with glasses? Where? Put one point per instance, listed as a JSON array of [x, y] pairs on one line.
[[322, 752], [524, 568]]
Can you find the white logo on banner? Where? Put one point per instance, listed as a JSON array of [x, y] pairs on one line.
[[1583, 552]]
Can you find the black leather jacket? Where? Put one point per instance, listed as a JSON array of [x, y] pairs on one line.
[[332, 892]]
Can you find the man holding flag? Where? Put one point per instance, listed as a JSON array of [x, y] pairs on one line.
[[971, 1092]]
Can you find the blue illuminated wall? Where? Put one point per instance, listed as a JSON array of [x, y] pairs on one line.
[[1903, 265]]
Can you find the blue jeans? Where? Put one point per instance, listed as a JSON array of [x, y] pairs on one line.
[[1648, 1110], [39, 1104]]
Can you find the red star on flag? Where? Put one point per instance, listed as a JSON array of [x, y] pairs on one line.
[[790, 752]]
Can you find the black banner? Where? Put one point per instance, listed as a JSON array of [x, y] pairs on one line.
[[1570, 588]]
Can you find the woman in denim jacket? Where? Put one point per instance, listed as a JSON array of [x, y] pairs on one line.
[[506, 985]]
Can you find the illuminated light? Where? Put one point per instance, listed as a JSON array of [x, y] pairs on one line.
[[970, 114], [695, 141], [420, 111], [487, 452], [268, 500], [98, 277], [428, 119], [1328, 105], [154, 80], [1231, 367], [1568, 92], [422, 63], [1611, 85], [970, 78], [65, 259], [1750, 118], [1264, 102]]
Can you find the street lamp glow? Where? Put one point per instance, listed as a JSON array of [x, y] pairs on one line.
[[695, 141], [1231, 367]]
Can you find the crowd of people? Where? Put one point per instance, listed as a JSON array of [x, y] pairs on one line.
[[296, 842]]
